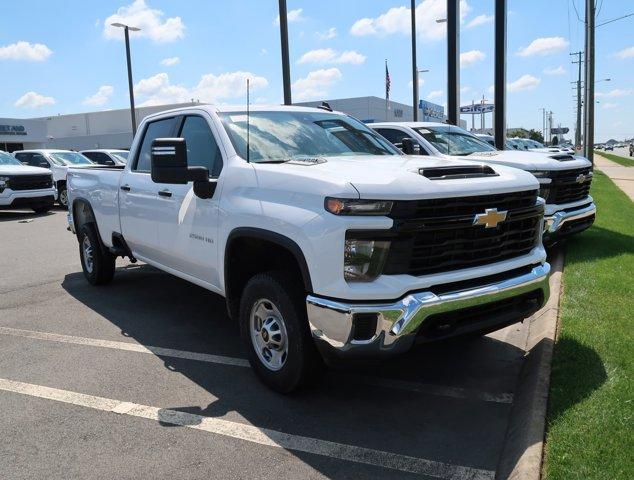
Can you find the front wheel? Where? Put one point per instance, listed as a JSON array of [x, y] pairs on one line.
[[97, 263], [63, 197], [274, 327]]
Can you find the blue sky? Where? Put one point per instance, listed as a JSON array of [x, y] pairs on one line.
[[60, 57]]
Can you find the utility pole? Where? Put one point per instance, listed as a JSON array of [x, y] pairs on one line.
[[543, 123], [578, 124], [286, 69], [499, 113], [588, 106], [453, 61], [414, 66]]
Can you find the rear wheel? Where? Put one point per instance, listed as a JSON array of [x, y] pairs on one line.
[[275, 330], [63, 197], [97, 263]]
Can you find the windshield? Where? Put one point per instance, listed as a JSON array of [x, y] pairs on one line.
[[453, 141], [285, 135], [6, 159], [69, 158], [121, 156]]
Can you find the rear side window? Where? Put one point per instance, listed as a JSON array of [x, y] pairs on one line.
[[99, 157], [202, 149], [163, 128]]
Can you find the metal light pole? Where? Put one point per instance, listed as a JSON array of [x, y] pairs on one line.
[[414, 67], [453, 61], [499, 114], [578, 124], [588, 105], [286, 69], [127, 29]]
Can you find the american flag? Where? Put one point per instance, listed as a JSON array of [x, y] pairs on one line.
[[388, 82]]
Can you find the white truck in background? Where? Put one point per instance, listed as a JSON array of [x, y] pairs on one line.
[[22, 186], [326, 241], [57, 161], [564, 178]]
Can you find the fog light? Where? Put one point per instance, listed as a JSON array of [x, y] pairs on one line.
[[364, 259]]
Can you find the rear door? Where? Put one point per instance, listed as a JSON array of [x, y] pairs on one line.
[[188, 233], [141, 207]]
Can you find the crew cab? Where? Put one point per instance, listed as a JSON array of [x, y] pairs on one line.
[[57, 161], [326, 241], [25, 187], [106, 156], [564, 178]]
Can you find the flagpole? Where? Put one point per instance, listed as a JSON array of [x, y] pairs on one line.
[[386, 91]]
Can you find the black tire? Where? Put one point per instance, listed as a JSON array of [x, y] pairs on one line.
[[99, 268], [62, 197], [41, 208], [302, 361]]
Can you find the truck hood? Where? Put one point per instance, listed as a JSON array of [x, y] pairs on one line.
[[22, 170], [530, 160], [395, 177]]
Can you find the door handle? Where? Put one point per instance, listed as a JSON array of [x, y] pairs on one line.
[[125, 188], [165, 193]]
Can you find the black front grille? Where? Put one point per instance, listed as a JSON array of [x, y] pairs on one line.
[[432, 236], [567, 186], [30, 182]]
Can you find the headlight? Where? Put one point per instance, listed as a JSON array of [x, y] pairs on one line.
[[541, 174], [348, 206], [364, 259]]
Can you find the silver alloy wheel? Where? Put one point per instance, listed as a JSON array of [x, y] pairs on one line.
[[63, 198], [87, 248], [268, 334]]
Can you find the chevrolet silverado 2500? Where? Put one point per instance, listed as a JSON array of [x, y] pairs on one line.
[[564, 178], [25, 187], [325, 240]]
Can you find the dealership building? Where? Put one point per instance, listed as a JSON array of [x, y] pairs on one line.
[[113, 129]]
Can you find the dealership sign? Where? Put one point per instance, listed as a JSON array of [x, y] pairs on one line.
[[431, 110], [12, 130], [477, 108], [559, 131]]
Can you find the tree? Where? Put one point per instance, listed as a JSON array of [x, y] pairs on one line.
[[517, 133], [536, 135]]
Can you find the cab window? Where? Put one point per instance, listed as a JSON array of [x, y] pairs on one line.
[[163, 128], [202, 149]]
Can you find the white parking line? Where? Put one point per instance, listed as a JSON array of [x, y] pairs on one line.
[[429, 389], [250, 433]]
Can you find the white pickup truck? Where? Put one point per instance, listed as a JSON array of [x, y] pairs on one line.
[[325, 240], [564, 178], [25, 187]]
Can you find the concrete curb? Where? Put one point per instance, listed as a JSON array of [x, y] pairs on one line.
[[522, 452]]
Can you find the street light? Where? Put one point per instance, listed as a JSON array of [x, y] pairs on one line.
[[126, 29], [441, 20]]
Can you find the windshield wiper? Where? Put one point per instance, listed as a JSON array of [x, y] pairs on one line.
[[272, 161]]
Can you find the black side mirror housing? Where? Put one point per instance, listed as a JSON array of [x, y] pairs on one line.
[[169, 165], [408, 146]]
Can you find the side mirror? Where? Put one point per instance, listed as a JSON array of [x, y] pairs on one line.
[[169, 165], [408, 146]]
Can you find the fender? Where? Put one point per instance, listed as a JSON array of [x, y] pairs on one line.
[[87, 217]]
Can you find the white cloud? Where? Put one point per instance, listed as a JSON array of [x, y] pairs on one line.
[[398, 20], [35, 52], [480, 20], [33, 100], [421, 82], [150, 21], [544, 46], [560, 70], [470, 58], [525, 82], [434, 94], [170, 61], [609, 106], [328, 34], [315, 84], [328, 55], [617, 92], [158, 90], [626, 53], [291, 16], [101, 97], [465, 89]]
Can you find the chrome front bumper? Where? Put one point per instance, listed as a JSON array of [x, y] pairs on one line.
[[554, 223], [331, 321]]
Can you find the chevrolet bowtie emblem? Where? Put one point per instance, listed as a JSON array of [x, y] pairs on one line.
[[490, 218], [580, 178]]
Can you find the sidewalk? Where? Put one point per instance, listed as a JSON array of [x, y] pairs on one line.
[[623, 177]]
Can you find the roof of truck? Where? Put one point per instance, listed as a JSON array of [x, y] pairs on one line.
[[243, 107], [412, 124]]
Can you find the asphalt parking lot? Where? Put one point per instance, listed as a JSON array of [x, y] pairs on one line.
[[147, 377]]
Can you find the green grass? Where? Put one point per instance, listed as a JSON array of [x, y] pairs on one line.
[[625, 161], [590, 426]]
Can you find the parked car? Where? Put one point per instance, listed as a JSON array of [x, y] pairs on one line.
[[324, 239], [57, 161], [107, 157], [609, 148], [564, 178], [25, 187]]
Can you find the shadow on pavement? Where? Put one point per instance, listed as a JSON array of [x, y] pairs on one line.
[[157, 309], [597, 243], [16, 215]]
